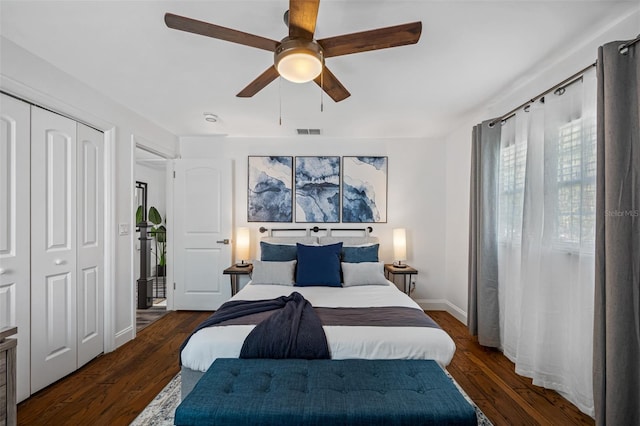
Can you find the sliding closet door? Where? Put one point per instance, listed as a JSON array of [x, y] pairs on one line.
[[14, 230], [90, 228], [53, 247]]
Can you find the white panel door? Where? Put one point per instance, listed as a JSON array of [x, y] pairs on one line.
[[202, 233], [15, 270], [90, 246], [53, 248]]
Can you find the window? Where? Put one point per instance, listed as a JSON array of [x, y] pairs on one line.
[[572, 195], [513, 156], [576, 184]]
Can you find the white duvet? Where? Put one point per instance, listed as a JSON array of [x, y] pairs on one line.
[[345, 342]]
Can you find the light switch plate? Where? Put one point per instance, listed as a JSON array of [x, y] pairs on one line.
[[124, 229]]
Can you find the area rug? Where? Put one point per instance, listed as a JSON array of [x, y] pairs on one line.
[[161, 410]]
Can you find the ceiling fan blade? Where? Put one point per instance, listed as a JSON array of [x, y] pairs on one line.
[[302, 18], [381, 38], [332, 86], [189, 25], [259, 83]]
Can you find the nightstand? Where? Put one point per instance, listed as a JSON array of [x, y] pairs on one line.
[[407, 271], [233, 271], [8, 410]]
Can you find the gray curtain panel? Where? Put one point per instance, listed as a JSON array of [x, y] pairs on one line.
[[616, 363], [483, 315]]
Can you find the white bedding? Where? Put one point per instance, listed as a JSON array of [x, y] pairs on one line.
[[345, 342]]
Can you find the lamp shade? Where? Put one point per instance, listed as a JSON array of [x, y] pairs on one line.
[[243, 241], [399, 244], [299, 67], [298, 60]]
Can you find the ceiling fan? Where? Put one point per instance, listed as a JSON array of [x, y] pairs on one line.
[[299, 57]]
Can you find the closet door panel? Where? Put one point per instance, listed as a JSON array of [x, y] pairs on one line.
[[15, 202], [53, 248], [90, 222]]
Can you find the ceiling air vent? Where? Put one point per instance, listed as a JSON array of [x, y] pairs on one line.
[[308, 131]]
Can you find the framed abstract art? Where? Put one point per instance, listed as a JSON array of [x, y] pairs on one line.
[[269, 184], [364, 189], [317, 183]]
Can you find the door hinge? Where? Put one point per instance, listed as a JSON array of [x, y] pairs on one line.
[[174, 286], [174, 174]]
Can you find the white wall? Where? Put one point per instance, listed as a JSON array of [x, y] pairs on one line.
[[555, 69], [416, 193], [31, 78]]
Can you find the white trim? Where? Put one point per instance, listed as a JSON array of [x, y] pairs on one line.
[[124, 336], [109, 246], [169, 206], [146, 145], [132, 233], [36, 97], [443, 305]]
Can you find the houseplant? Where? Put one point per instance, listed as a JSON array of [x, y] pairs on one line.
[[159, 233]]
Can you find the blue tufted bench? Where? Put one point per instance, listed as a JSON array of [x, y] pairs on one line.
[[324, 392]]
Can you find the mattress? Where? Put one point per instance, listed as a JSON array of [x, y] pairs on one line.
[[345, 342]]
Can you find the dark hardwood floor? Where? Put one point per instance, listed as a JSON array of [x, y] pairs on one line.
[[114, 388], [506, 398]]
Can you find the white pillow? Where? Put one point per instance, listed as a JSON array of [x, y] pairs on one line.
[[290, 241], [278, 273], [363, 273], [347, 241]]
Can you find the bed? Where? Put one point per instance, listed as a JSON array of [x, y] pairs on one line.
[[361, 284]]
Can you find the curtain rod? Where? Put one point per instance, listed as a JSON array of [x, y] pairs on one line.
[[623, 47], [564, 82]]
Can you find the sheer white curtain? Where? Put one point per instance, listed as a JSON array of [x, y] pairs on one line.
[[546, 242]]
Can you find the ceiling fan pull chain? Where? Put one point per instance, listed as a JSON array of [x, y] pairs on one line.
[[280, 100], [322, 89]]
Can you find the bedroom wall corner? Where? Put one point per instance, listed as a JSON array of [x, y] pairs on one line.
[[458, 165], [551, 70], [27, 76]]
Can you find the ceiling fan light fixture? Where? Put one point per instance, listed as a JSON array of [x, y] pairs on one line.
[[298, 60]]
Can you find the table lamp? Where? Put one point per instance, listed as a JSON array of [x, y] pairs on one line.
[[243, 240], [399, 247]]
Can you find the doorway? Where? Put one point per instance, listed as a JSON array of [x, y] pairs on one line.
[[150, 187]]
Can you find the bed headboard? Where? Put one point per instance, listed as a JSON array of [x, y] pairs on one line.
[[316, 235]]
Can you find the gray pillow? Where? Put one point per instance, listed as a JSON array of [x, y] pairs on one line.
[[363, 273], [278, 273]]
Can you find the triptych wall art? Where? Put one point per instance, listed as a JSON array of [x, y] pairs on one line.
[[327, 190]]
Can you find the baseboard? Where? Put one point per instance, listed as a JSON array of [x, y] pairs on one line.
[[123, 336], [443, 305]]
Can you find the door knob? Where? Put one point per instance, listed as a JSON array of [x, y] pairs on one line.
[[3, 271], [59, 262], [225, 241]]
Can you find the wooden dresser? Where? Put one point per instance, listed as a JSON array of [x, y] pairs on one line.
[[8, 414]]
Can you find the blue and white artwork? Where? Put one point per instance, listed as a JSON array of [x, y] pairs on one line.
[[318, 189], [364, 189], [269, 196]]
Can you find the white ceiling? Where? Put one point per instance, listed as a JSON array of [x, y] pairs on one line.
[[469, 52]]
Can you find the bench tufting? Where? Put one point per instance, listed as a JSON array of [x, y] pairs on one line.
[[324, 392]]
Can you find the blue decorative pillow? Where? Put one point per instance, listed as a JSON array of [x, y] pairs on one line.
[[360, 254], [277, 252], [318, 265]]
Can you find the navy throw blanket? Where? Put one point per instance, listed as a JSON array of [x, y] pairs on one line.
[[294, 332]]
